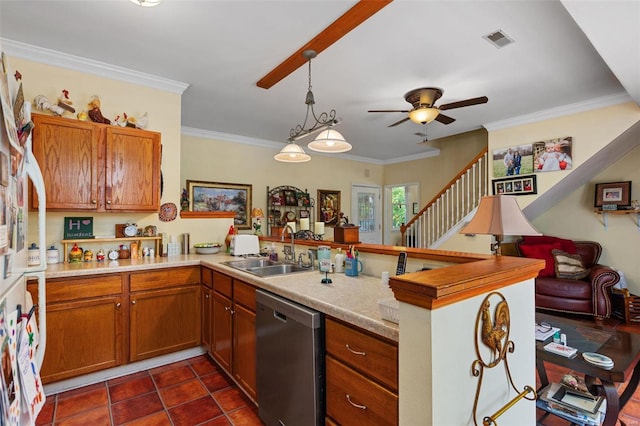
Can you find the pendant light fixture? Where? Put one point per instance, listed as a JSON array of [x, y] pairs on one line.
[[329, 140]]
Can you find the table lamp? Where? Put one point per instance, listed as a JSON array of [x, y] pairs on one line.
[[257, 214], [499, 215]]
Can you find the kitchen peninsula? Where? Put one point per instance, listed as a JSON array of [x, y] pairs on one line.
[[349, 303]]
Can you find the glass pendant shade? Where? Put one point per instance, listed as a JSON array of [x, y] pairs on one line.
[[330, 141], [146, 3], [292, 153], [423, 114]]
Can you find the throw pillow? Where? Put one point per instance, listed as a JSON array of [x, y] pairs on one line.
[[542, 251], [569, 266]]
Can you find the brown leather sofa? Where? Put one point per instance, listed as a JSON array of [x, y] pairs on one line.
[[590, 295]]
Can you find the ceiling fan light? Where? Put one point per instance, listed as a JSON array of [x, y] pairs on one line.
[[146, 3], [330, 141], [423, 114], [292, 153]]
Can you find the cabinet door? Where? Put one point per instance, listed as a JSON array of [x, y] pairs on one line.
[[83, 337], [221, 330], [67, 152], [132, 169], [206, 315], [164, 321], [244, 349]]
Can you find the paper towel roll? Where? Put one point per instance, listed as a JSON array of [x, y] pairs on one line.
[[319, 228], [304, 224]]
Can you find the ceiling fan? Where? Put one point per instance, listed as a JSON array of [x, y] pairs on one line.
[[424, 109]]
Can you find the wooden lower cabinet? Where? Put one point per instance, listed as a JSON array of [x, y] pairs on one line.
[[96, 322], [221, 330], [164, 311], [244, 339], [164, 321], [362, 376], [85, 326], [233, 341]]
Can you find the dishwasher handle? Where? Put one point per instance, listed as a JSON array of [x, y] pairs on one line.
[[279, 316]]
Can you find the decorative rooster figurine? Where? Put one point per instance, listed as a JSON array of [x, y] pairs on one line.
[[494, 333]]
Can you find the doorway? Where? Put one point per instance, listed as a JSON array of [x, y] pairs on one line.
[[366, 212]]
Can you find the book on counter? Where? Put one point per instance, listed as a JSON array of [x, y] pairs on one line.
[[567, 403], [560, 349]]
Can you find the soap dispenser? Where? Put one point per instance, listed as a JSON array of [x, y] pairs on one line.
[[339, 261]]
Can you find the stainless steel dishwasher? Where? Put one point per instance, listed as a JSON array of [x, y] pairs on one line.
[[290, 362]]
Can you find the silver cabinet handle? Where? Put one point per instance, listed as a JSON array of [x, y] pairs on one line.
[[362, 407], [133, 302], [94, 201], [118, 305], [108, 201], [355, 352]]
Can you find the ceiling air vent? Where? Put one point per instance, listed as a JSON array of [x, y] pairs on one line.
[[498, 39]]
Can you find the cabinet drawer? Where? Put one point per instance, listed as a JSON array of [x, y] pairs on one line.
[[244, 294], [71, 289], [222, 284], [206, 277], [164, 278], [367, 354], [352, 399]]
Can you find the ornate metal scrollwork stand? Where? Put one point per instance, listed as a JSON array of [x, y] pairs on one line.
[[494, 333]]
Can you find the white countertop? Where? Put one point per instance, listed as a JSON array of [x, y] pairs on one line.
[[351, 299]]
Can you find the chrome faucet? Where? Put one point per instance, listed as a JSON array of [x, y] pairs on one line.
[[311, 260], [289, 256]]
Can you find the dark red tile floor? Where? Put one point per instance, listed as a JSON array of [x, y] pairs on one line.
[[197, 392], [186, 393]]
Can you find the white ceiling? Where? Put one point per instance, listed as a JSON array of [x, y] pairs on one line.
[[222, 48]]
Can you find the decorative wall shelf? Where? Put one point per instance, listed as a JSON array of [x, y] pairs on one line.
[[606, 213], [206, 215], [85, 241]]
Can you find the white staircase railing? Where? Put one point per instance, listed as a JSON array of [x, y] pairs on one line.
[[450, 206]]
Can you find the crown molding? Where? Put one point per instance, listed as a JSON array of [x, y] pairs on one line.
[[548, 114], [264, 143], [433, 152], [77, 63]]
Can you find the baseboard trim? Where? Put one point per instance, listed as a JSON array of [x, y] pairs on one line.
[[123, 370]]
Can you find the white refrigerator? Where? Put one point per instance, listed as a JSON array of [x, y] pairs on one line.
[[22, 333]]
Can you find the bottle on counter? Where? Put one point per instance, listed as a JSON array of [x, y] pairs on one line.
[[273, 253], [339, 261]]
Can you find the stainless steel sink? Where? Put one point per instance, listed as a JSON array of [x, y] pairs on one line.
[[250, 263], [266, 267], [284, 268]]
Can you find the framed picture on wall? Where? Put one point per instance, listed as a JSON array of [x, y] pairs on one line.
[[613, 193], [225, 197], [521, 185], [328, 207]]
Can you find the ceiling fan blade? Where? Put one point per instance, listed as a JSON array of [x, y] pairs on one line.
[[353, 17], [445, 119], [388, 110], [467, 102], [398, 122]]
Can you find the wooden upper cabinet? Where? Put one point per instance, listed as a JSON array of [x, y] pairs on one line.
[[91, 166], [132, 169], [68, 153]]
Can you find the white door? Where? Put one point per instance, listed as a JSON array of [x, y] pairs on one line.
[[366, 212]]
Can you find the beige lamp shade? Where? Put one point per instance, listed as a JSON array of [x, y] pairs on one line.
[[292, 153], [330, 141], [423, 114], [257, 213], [499, 215]]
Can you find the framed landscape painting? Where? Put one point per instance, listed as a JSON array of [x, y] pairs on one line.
[[221, 197]]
